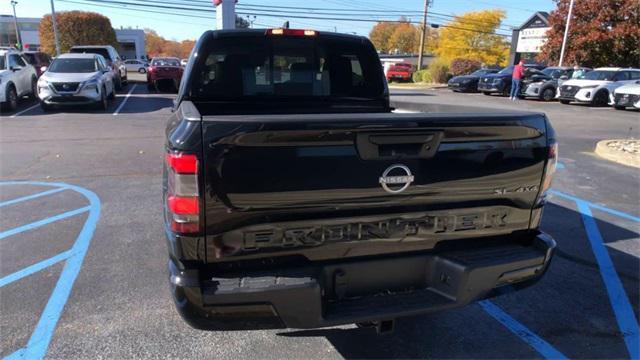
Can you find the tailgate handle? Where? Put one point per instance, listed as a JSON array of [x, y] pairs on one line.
[[376, 146]]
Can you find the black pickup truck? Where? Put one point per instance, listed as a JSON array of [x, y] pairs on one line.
[[295, 197]]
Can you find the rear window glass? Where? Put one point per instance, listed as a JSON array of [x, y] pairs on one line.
[[286, 67], [101, 51], [165, 62]]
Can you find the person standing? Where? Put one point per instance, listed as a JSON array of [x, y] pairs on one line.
[[518, 71]]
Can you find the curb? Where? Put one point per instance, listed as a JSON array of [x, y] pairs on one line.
[[617, 156]]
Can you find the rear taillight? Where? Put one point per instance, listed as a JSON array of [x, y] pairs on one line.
[[151, 69], [549, 171], [182, 201], [291, 32]]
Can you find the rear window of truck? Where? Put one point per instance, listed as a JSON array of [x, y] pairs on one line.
[[286, 67]]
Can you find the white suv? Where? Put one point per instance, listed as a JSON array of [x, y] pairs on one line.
[[17, 78], [595, 86]]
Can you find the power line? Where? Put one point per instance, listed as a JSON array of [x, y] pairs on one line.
[[154, 3]]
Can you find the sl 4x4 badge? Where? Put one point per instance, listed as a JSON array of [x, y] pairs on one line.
[[521, 189]]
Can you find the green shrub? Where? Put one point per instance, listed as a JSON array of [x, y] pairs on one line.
[[419, 76], [438, 68]]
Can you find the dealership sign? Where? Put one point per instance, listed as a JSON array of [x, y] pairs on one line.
[[531, 40]]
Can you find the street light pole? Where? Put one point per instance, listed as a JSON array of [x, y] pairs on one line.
[[55, 29], [423, 34], [15, 23], [566, 32]]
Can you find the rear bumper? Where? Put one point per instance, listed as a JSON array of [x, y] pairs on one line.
[[328, 294], [490, 88]]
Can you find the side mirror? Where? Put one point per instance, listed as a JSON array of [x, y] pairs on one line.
[[16, 68], [564, 77]]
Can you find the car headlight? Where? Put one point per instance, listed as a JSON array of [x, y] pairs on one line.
[[91, 84]]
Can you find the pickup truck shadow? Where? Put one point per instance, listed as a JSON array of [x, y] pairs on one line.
[[569, 308]]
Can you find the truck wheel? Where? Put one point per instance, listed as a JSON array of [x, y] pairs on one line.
[[548, 94], [601, 98], [564, 102], [34, 88], [12, 98]]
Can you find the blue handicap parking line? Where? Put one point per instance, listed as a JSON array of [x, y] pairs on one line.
[[38, 343], [43, 222], [30, 197], [541, 346], [622, 309]]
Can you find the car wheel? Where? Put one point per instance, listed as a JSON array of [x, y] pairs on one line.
[[142, 70], [601, 98], [548, 94], [34, 88], [486, 93], [618, 107], [12, 98], [565, 102], [112, 96], [103, 103], [118, 83], [45, 107]]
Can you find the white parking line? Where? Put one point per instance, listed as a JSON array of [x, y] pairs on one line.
[[125, 100], [23, 111]]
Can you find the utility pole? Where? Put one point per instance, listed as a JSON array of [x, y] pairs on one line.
[[55, 29], [15, 23], [423, 34], [566, 32]]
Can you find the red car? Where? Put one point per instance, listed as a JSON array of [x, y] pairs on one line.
[[165, 69], [399, 72], [39, 60]]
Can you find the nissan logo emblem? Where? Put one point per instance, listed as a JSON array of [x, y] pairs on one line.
[[396, 179]]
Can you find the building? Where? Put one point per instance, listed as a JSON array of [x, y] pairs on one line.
[[528, 39], [131, 43], [131, 40], [28, 32]]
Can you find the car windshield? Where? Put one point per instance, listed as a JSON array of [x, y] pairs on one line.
[[598, 75], [100, 51], [287, 68], [165, 62], [507, 70], [73, 66], [2, 66], [31, 58]]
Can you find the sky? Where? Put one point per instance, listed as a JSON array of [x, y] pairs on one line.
[[180, 25]]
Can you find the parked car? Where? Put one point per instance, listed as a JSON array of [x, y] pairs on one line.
[[136, 65], [77, 79], [294, 196], [500, 82], [39, 60], [596, 86], [399, 72], [469, 83], [626, 96], [184, 62], [114, 61], [164, 69], [546, 87], [18, 78]]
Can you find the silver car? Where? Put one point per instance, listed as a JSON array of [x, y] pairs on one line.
[[77, 79]]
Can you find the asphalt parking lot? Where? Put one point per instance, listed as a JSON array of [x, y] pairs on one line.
[[83, 258]]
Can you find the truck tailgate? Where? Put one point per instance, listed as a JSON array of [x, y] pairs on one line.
[[329, 176]]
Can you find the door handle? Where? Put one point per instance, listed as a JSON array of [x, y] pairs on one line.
[[393, 146]]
